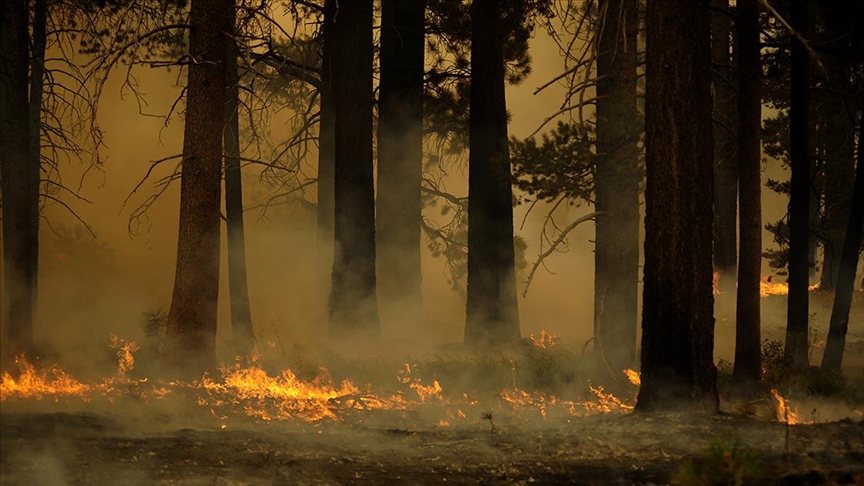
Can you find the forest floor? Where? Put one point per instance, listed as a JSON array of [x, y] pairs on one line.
[[125, 445]]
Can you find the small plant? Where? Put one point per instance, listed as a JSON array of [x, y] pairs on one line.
[[726, 462]]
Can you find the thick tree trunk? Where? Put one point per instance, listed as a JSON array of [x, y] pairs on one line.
[[833, 357], [799, 198], [616, 181], [400, 160], [725, 161], [326, 157], [238, 288], [677, 312], [18, 277], [748, 353], [37, 83], [353, 301], [839, 165], [191, 328], [492, 316]]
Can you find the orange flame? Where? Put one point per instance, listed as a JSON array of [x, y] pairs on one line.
[[784, 412], [634, 376], [546, 340]]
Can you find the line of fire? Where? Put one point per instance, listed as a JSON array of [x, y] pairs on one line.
[[279, 242]]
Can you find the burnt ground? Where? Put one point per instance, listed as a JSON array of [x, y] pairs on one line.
[[390, 447]]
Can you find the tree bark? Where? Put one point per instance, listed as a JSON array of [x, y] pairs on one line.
[[492, 314], [238, 288], [616, 182], [353, 301], [799, 198], [18, 210], [191, 328], [833, 357], [677, 312], [37, 83], [725, 160], [400, 160], [326, 156], [748, 353]]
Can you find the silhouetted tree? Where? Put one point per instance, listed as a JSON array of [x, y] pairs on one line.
[[492, 311], [400, 159], [353, 302], [238, 288], [326, 153], [18, 208], [191, 326], [725, 161], [677, 318], [616, 182], [748, 353], [799, 198]]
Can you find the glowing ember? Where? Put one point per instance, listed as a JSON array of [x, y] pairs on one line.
[[633, 376]]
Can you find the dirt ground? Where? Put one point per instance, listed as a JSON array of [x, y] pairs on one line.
[[390, 447]]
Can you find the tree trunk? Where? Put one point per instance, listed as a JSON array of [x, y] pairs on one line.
[[191, 328], [799, 198], [839, 165], [37, 83], [833, 357], [748, 353], [18, 277], [677, 312], [238, 288], [353, 301], [616, 181], [492, 316], [725, 133], [400, 160], [326, 156]]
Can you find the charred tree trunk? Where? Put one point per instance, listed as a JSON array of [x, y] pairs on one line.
[[725, 133], [677, 312], [238, 288], [18, 210], [799, 198], [616, 181], [37, 83], [833, 357], [839, 165], [326, 155], [400, 159], [748, 353], [492, 316], [353, 301], [191, 328]]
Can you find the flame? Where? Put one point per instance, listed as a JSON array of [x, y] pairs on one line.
[[31, 384], [546, 340], [784, 412], [716, 284], [634, 376], [767, 287]]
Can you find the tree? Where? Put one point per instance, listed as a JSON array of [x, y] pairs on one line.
[[677, 317], [191, 326], [725, 166], [799, 197], [16, 172], [238, 288], [748, 352], [353, 302], [492, 312], [833, 357], [400, 158], [616, 182], [326, 153]]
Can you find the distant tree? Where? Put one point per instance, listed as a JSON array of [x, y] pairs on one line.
[[748, 342], [353, 301], [19, 212], [492, 310], [400, 159], [238, 288], [725, 134], [677, 318], [191, 326], [616, 182], [799, 197]]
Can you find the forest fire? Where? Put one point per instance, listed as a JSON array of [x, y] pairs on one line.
[[784, 412], [767, 287]]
